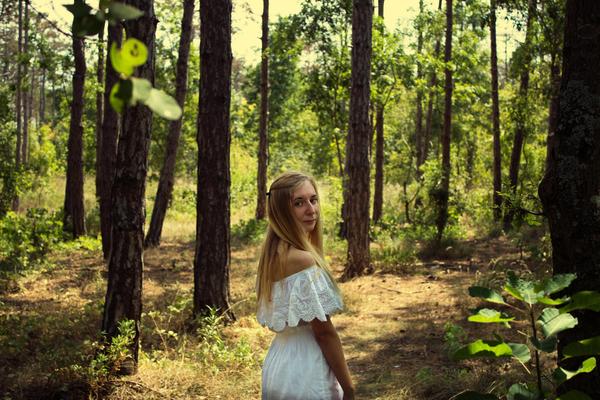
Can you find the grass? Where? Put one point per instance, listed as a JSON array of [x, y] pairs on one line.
[[393, 329]]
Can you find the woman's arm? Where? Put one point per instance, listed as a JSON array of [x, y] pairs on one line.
[[331, 346]]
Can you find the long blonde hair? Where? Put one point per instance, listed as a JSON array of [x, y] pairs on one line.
[[285, 231]]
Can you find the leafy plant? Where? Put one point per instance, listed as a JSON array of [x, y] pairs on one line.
[[538, 309], [133, 53]]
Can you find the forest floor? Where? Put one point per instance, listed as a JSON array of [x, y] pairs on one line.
[[396, 331]]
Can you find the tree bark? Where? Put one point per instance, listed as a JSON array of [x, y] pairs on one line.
[[108, 156], [443, 192], [570, 187], [74, 213], [212, 256], [419, 101], [263, 135], [167, 174], [124, 293], [99, 113], [497, 171], [18, 101], [521, 116], [24, 96], [379, 149], [357, 145]]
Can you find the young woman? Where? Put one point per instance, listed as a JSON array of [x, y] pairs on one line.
[[296, 296]]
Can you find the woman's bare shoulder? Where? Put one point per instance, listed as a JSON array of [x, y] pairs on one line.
[[298, 260]]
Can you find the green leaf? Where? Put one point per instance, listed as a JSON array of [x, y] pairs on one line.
[[561, 375], [470, 395], [120, 95], [553, 322], [79, 8], [486, 294], [585, 300], [134, 52], [522, 289], [585, 347], [556, 283], [141, 90], [163, 105], [120, 11], [486, 316], [520, 352], [547, 345], [574, 395], [118, 63], [481, 348], [553, 302], [519, 391]]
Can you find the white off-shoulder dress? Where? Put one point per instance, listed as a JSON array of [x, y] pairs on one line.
[[295, 367]]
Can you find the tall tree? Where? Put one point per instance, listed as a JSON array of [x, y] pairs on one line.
[[18, 100], [379, 146], [570, 187], [24, 94], [419, 100], [521, 113], [442, 194], [497, 171], [357, 145], [99, 111], [263, 134], [124, 293], [74, 214], [108, 154], [212, 256], [167, 173]]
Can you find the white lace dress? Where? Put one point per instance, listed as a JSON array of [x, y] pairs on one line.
[[295, 368]]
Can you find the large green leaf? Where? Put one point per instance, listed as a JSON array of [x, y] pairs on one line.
[[486, 294], [519, 391], [120, 95], [556, 283], [561, 375], [553, 302], [134, 52], [141, 90], [522, 289], [520, 351], [585, 300], [546, 345], [586, 347], [470, 395], [574, 395], [120, 11], [481, 348], [163, 105], [552, 322], [118, 63], [79, 8], [487, 315]]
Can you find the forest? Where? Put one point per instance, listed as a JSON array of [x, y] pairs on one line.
[[459, 189]]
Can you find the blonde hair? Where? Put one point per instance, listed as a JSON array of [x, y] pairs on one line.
[[284, 231]]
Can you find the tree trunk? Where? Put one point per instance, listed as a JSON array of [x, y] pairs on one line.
[[263, 137], [212, 257], [19, 103], [443, 192], [554, 98], [570, 187], [124, 293], [429, 118], [379, 147], [74, 214], [497, 171], [167, 174], [42, 104], [99, 113], [24, 95], [419, 101], [108, 156], [357, 145], [521, 116]]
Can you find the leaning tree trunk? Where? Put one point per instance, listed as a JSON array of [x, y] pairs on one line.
[[74, 213], [570, 187], [167, 174], [521, 116], [497, 171], [357, 145], [108, 155], [379, 148], [442, 193], [124, 293], [263, 136], [212, 258]]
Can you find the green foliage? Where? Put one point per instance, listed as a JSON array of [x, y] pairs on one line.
[[545, 324], [25, 240], [248, 231]]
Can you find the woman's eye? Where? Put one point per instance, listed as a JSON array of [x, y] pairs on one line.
[[314, 201], [298, 204]]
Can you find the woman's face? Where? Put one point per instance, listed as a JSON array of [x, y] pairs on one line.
[[305, 206]]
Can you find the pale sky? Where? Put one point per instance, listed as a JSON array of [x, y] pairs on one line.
[[247, 19]]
